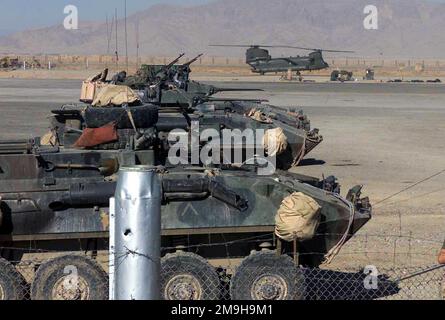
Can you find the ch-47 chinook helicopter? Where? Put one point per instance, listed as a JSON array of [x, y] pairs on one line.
[[262, 62]]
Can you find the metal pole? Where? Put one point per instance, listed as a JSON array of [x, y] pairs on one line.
[[137, 236], [112, 245]]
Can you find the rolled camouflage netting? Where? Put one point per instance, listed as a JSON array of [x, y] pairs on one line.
[[48, 139], [114, 95], [297, 218], [274, 142]]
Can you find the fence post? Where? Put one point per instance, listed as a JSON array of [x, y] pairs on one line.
[[137, 236], [112, 244]]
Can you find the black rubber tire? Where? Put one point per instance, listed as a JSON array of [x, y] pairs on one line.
[[263, 263], [194, 265], [13, 285], [53, 270]]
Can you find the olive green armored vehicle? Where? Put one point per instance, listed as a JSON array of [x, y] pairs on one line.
[[170, 88], [55, 190]]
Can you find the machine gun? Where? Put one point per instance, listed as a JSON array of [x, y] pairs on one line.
[[171, 64], [189, 63], [183, 72], [163, 74]]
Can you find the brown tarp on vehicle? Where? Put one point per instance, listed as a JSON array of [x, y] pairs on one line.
[[92, 137], [297, 218]]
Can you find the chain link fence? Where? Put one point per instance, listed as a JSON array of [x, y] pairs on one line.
[[288, 283], [186, 276]]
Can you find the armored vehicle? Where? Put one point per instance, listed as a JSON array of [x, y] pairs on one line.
[[369, 74], [170, 88], [341, 75], [8, 63], [54, 195]]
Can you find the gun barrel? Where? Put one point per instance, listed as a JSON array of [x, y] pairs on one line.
[[235, 99], [236, 89], [175, 61], [193, 60]]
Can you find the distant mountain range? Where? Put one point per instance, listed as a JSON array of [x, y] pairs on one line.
[[411, 28]]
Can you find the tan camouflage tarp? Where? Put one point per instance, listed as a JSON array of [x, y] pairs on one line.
[[114, 95], [274, 142], [297, 218]]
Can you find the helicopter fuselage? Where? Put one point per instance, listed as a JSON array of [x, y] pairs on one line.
[[286, 64], [258, 57]]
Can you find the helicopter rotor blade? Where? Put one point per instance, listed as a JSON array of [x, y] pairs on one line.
[[244, 46], [311, 49], [341, 51], [231, 45], [279, 46]]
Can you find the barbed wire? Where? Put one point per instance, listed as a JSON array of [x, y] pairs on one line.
[[267, 237], [376, 205]]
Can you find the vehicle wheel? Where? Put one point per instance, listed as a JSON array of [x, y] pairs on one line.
[[265, 276], [71, 277], [187, 276], [12, 283]]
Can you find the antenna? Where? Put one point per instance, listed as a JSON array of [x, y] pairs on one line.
[[126, 36], [108, 38], [137, 43], [117, 51]]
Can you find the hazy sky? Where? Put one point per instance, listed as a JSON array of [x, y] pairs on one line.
[[25, 14]]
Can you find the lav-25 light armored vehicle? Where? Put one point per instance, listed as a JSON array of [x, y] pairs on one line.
[[169, 87], [56, 197]]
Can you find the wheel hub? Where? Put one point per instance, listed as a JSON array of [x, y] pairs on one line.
[[70, 288], [269, 287], [183, 287]]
